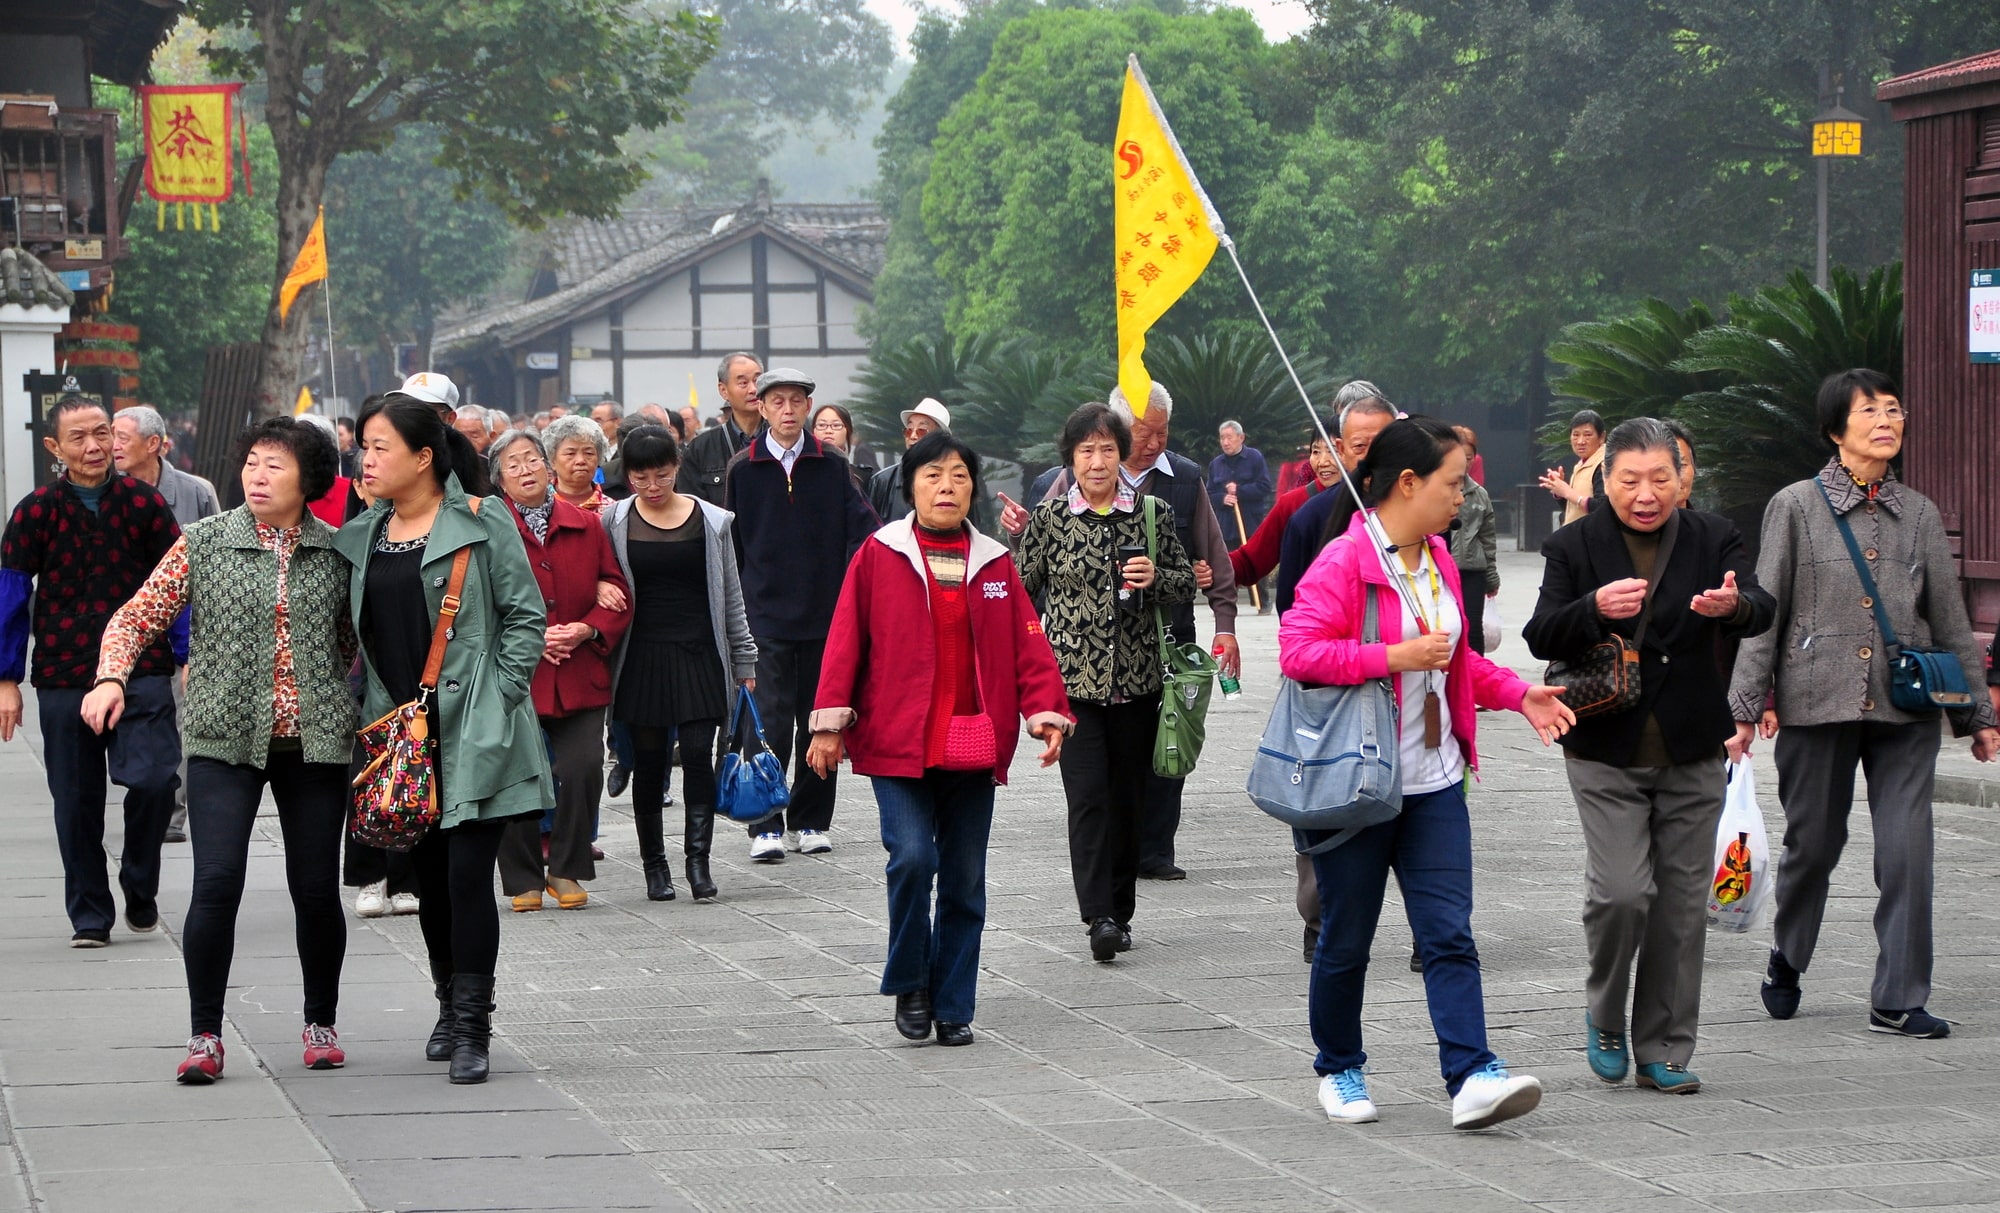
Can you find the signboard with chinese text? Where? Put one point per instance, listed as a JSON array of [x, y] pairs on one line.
[[1983, 313]]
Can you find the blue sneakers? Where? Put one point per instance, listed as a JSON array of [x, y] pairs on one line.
[[1916, 1023], [1609, 1059]]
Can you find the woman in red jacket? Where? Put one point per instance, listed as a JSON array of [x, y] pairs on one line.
[[931, 602], [576, 569]]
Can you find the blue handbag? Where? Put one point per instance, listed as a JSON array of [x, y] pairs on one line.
[[1328, 759], [749, 781], [1921, 680]]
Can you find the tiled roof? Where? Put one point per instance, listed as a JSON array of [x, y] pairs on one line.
[[1975, 69], [27, 282], [599, 258]]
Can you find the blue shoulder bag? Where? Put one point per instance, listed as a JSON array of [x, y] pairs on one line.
[[749, 781]]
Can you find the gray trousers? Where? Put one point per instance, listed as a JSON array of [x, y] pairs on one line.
[[1816, 786], [179, 820], [1649, 834]]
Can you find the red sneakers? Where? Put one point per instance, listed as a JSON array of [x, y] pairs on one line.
[[322, 1048], [204, 1061]]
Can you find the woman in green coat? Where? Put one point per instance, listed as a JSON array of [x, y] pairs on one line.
[[490, 761]]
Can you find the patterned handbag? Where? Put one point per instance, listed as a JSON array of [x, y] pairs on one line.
[[1605, 680], [395, 795]]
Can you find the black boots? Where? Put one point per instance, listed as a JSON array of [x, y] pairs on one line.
[[471, 1025], [438, 1047], [653, 854], [700, 832]]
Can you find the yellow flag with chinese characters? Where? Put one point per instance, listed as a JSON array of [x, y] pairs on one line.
[[310, 266], [1164, 229]]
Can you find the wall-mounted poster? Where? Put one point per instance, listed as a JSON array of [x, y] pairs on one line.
[[1983, 309]]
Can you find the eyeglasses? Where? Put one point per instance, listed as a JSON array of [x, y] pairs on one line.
[[1892, 414], [523, 464], [647, 480]]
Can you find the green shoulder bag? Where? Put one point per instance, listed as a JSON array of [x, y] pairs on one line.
[[1187, 681]]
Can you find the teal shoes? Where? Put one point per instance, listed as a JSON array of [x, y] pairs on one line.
[[1609, 1059], [1669, 1076]]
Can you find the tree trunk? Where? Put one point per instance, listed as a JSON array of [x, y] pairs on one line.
[[301, 186]]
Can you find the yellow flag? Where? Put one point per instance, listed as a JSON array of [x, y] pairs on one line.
[[305, 403], [1164, 228], [310, 267], [694, 397]]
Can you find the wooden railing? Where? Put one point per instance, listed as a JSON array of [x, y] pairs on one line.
[[59, 190]]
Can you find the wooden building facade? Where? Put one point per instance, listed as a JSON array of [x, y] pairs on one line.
[[1951, 125]]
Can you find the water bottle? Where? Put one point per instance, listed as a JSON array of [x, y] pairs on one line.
[[1231, 689]]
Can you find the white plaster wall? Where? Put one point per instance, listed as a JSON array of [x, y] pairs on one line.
[[664, 381], [27, 343]]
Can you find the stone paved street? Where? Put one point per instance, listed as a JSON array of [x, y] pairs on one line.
[[735, 1056]]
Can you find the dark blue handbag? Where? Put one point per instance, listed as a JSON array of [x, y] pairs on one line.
[[749, 781], [1921, 680]]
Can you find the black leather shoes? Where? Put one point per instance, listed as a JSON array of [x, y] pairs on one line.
[[1416, 960], [1104, 939], [1781, 987], [1164, 872], [913, 1014], [1124, 937], [659, 880], [951, 1035]]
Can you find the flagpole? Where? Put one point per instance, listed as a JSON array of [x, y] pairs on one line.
[[1369, 520], [332, 374]]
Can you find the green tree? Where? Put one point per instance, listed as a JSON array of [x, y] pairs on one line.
[[780, 66], [1235, 376], [1760, 432], [1018, 203], [531, 102], [949, 55], [408, 248]]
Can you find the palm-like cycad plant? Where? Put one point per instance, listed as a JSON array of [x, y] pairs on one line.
[[1627, 367], [1235, 376], [896, 378], [1758, 431]]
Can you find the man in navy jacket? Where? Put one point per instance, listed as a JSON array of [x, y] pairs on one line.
[[799, 520]]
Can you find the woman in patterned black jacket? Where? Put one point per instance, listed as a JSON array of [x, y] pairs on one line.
[[1109, 655]]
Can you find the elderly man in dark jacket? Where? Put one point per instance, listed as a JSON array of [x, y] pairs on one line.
[[799, 520], [1648, 781]]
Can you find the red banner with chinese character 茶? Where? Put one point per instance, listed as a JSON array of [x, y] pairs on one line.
[[189, 145]]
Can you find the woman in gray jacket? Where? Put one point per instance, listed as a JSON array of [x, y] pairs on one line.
[[1827, 661], [688, 648]]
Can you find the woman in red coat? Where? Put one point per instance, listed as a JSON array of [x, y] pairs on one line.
[[931, 602], [578, 574]]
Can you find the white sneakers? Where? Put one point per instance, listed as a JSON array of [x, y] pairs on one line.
[[768, 848], [771, 847], [1492, 1095], [403, 903], [1345, 1097], [372, 901], [813, 842], [1486, 1098]]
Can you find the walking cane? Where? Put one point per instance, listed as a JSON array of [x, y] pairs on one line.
[[1243, 537]]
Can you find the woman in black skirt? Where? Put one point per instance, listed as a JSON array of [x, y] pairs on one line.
[[688, 647]]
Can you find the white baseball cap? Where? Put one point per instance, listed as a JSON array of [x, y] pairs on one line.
[[930, 408], [431, 388]]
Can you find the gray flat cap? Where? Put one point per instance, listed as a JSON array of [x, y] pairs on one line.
[[785, 376]]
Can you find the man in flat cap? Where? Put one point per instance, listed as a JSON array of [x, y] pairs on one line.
[[799, 520]]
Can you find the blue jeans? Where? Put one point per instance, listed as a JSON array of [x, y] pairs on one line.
[[1429, 847], [935, 830]]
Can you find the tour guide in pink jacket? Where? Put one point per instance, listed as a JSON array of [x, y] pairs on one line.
[[932, 627], [1412, 478]]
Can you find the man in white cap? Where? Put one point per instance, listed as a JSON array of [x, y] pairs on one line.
[[885, 489], [799, 520]]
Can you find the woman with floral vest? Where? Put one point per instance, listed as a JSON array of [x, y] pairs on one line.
[[267, 704]]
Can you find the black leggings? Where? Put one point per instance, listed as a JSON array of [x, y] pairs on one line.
[[222, 803], [460, 920], [652, 750]]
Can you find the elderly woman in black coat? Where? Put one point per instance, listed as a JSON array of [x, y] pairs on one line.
[[1648, 781]]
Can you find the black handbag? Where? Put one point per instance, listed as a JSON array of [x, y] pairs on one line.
[[1921, 680], [1605, 680]]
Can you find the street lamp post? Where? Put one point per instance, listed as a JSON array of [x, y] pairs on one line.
[[1836, 132]]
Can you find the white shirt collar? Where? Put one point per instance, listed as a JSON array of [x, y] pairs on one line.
[[1161, 465], [783, 454]]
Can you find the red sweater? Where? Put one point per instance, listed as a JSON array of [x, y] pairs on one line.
[[1258, 557], [882, 643], [951, 635]]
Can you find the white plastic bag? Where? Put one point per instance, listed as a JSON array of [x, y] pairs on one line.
[[1742, 879], [1491, 624]]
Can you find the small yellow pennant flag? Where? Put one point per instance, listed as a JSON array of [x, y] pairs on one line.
[[305, 403], [1163, 226], [694, 397], [310, 266]]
